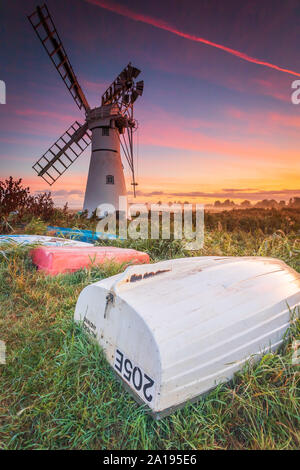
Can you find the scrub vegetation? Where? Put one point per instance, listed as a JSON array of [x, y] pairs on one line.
[[58, 392]]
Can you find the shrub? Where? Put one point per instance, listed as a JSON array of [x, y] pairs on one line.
[[15, 198], [36, 227], [41, 205]]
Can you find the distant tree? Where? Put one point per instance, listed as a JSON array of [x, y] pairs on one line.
[[295, 202], [217, 204], [246, 203], [228, 203], [267, 203]]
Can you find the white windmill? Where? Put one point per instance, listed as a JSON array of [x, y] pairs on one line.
[[108, 126]]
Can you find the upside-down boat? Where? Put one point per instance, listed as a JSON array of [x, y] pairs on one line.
[[83, 235], [54, 260], [174, 330], [24, 239]]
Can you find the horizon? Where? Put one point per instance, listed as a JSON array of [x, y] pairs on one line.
[[216, 205], [213, 124]]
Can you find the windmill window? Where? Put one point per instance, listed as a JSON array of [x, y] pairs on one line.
[[105, 130], [110, 179]]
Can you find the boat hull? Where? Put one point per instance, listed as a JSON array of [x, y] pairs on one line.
[[59, 260], [40, 240], [174, 330]]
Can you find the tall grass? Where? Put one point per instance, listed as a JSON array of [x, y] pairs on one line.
[[58, 392]]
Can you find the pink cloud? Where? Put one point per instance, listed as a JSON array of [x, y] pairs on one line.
[[98, 87], [177, 132], [285, 120], [271, 88], [45, 114]]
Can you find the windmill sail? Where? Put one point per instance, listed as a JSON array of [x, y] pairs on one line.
[[137, 91], [44, 27], [123, 92], [121, 85], [63, 153]]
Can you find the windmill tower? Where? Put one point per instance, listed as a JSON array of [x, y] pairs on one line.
[[108, 127]]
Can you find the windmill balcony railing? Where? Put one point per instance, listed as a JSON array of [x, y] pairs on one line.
[[103, 112]]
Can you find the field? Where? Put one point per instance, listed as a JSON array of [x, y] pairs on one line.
[[57, 391]]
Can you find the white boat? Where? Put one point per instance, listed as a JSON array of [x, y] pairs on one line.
[[40, 240], [175, 329]]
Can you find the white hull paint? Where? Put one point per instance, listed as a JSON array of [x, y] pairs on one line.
[[175, 329], [41, 240], [105, 181]]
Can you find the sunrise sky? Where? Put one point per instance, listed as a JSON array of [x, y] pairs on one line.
[[216, 119]]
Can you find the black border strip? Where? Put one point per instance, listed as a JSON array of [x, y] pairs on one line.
[[104, 150]]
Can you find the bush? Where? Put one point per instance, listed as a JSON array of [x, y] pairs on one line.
[[14, 198], [36, 227]]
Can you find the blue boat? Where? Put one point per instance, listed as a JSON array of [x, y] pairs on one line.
[[83, 235]]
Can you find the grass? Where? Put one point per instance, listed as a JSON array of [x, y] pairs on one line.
[[58, 392]]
